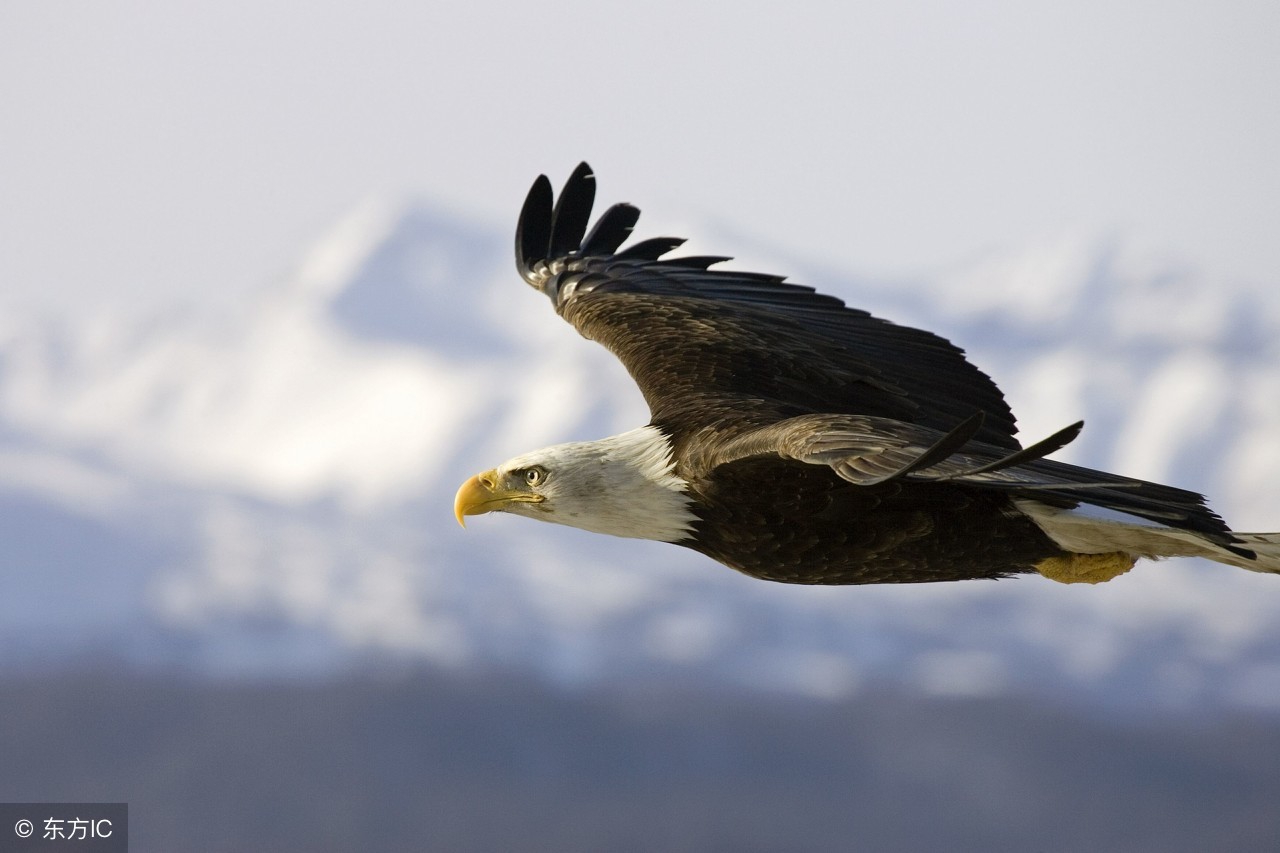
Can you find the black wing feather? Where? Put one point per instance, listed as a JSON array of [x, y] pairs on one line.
[[533, 229], [701, 262], [611, 230], [572, 212], [649, 250]]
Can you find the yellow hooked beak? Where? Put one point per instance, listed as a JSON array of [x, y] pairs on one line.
[[485, 493]]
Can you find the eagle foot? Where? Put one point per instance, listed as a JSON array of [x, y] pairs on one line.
[[1086, 568]]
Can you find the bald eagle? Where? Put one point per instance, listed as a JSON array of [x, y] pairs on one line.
[[798, 440]]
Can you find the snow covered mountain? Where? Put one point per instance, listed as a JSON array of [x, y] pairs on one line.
[[270, 491]]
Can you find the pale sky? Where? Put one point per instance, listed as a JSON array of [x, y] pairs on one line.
[[159, 151]]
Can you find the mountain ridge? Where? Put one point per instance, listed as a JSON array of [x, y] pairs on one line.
[[281, 476]]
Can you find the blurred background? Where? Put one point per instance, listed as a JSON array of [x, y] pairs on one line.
[[259, 318]]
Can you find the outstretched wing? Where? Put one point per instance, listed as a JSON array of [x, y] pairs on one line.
[[709, 345]]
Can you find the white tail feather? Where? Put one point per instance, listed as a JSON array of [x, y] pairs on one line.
[[1266, 546], [1088, 530]]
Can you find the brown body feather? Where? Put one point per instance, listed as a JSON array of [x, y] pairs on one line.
[[811, 527]]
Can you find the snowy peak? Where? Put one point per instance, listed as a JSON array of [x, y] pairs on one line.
[[422, 280], [1104, 290], [395, 339]]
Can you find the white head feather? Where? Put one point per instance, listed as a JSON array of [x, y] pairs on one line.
[[624, 485]]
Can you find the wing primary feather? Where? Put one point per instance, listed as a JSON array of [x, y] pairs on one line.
[[572, 212], [533, 229], [611, 230], [649, 250], [700, 262]]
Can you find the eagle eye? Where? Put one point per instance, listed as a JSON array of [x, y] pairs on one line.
[[534, 476]]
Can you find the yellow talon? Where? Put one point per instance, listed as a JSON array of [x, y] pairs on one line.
[[1086, 568]]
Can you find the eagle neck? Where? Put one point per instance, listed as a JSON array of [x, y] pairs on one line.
[[641, 494]]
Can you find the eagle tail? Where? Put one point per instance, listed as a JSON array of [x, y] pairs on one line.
[[1089, 529], [1266, 547]]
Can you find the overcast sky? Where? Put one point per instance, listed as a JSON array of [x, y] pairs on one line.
[[152, 151]]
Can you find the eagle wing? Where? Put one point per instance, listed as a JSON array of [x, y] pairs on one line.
[[740, 348], [870, 451]]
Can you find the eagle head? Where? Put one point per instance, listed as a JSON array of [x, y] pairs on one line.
[[624, 485]]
